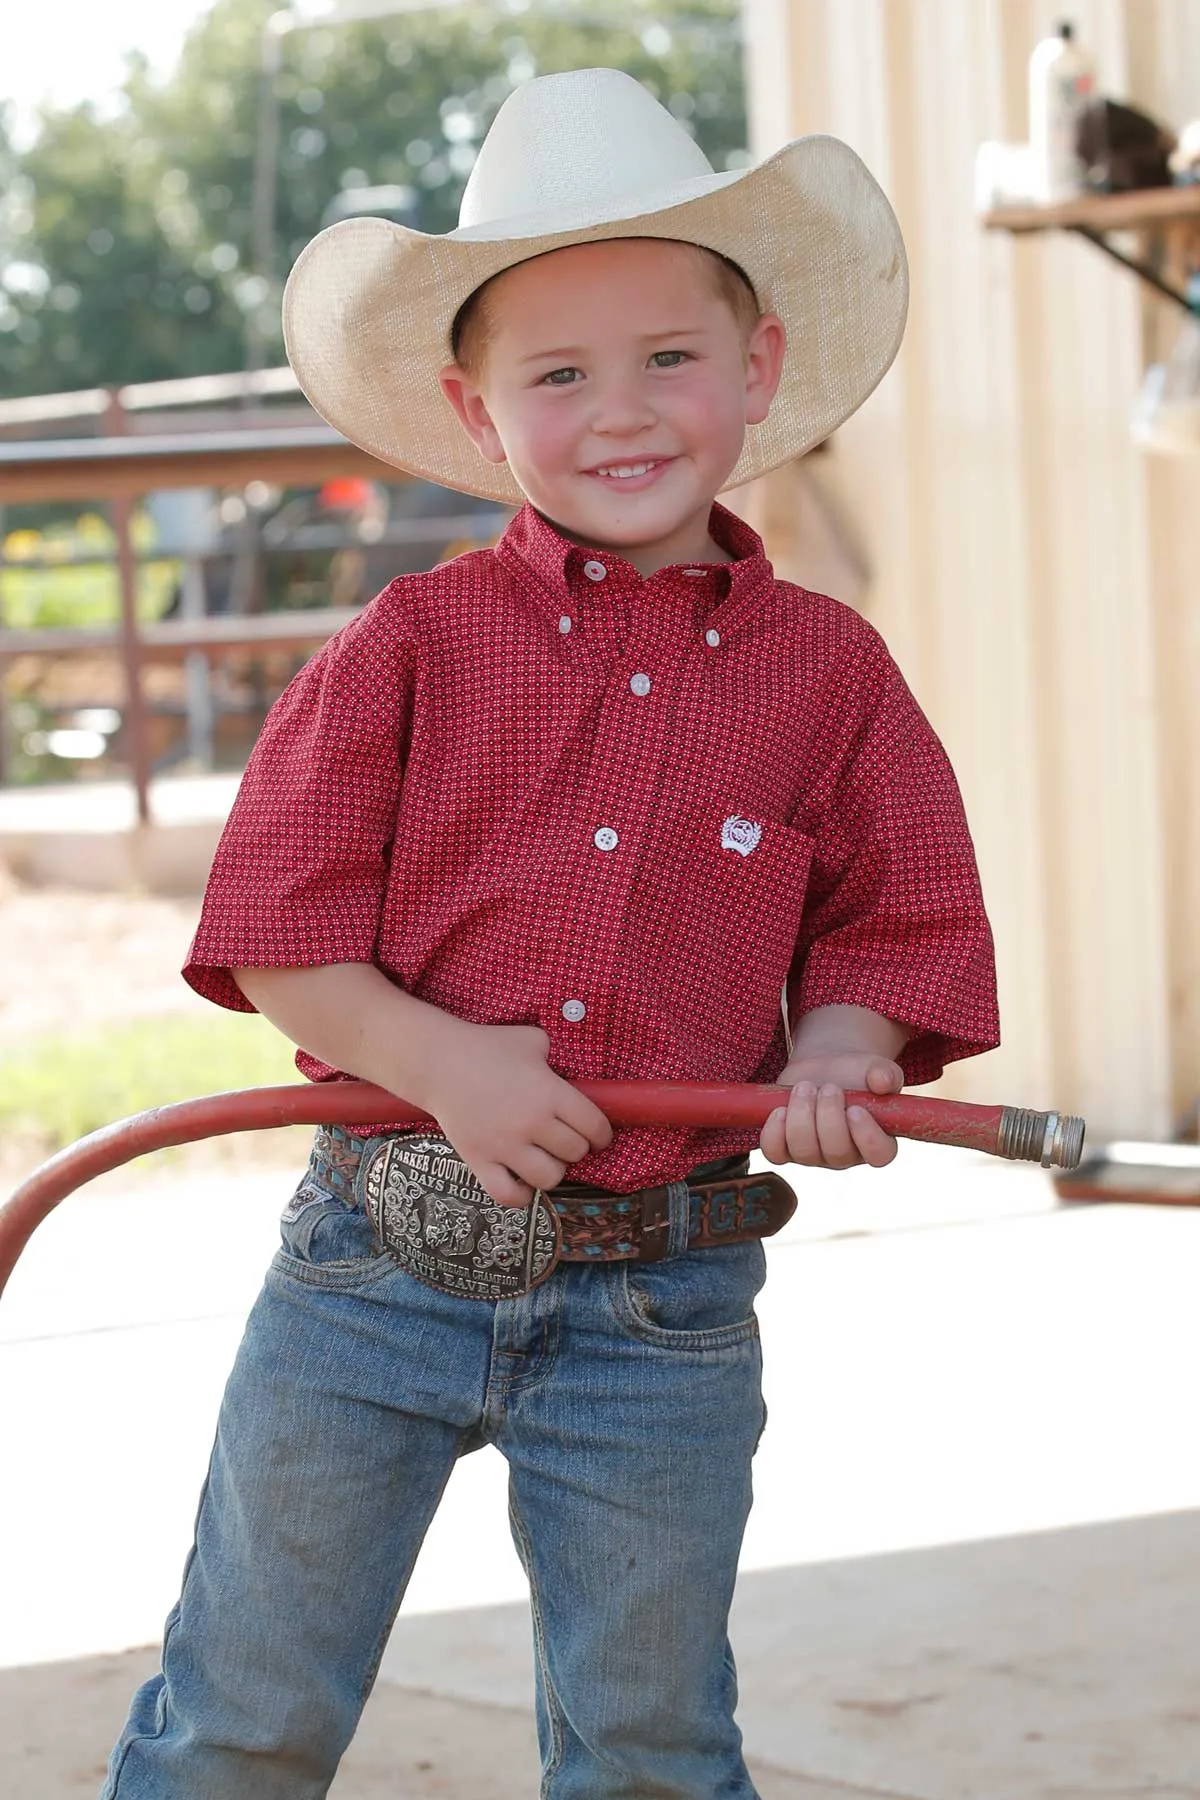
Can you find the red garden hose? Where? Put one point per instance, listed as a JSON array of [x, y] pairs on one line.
[[1054, 1140]]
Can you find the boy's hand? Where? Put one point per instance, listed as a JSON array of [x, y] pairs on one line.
[[515, 1123], [816, 1127]]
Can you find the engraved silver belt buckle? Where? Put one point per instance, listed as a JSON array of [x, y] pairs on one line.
[[438, 1222]]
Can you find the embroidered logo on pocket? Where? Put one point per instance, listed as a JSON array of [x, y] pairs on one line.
[[740, 834]]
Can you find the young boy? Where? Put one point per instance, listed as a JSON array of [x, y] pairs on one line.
[[580, 806]]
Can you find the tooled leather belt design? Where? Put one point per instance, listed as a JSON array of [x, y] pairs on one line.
[[434, 1218]]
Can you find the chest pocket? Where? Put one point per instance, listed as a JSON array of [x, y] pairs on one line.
[[721, 902]]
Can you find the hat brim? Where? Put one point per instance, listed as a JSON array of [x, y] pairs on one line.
[[369, 304]]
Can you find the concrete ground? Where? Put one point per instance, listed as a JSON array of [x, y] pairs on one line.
[[973, 1568], [85, 834]]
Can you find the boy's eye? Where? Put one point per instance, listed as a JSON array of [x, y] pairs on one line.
[[568, 377]]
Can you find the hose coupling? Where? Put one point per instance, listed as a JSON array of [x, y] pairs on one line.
[[1053, 1139]]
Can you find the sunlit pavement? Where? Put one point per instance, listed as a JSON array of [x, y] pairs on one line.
[[973, 1568]]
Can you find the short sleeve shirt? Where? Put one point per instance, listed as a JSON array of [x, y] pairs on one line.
[[533, 786]]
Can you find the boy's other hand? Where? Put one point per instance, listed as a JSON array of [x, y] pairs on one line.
[[816, 1127], [515, 1123]]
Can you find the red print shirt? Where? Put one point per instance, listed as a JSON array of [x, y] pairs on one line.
[[535, 787]]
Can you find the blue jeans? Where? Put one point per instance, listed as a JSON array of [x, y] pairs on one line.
[[627, 1401]]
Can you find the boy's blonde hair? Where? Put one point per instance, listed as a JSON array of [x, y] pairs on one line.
[[473, 324]]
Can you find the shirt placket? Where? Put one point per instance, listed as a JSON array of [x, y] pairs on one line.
[[639, 633]]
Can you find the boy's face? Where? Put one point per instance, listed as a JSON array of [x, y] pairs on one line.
[[619, 355]]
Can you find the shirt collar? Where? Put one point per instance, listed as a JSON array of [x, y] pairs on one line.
[[531, 545]]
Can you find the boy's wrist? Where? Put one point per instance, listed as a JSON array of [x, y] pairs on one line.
[[829, 1032], [434, 1053], [811, 1065]]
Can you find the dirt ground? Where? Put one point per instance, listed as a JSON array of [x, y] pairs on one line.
[[73, 959]]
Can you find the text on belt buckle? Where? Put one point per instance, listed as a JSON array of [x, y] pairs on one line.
[[441, 1225]]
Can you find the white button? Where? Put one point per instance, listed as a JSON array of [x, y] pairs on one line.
[[712, 639], [564, 624], [605, 838], [595, 571], [574, 1010], [696, 574], [640, 684]]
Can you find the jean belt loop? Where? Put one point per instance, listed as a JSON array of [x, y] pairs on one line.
[[679, 1201]]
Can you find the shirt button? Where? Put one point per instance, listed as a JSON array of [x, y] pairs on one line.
[[595, 571], [564, 624], [605, 838], [574, 1010], [640, 684], [696, 574], [712, 639]]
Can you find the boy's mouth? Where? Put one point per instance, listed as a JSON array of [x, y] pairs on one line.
[[636, 473]]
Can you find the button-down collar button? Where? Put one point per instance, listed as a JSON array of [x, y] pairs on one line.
[[574, 1010], [564, 624], [595, 571], [605, 838], [640, 684], [712, 639], [696, 574]]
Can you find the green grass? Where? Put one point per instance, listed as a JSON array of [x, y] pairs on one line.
[[58, 1088], [81, 595], [65, 593]]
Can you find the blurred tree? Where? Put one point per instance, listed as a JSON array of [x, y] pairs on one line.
[[126, 243]]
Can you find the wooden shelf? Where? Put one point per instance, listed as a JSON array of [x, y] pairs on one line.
[[1165, 222], [1145, 207]]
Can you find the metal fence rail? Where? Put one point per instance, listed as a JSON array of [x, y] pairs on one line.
[[116, 468], [120, 469]]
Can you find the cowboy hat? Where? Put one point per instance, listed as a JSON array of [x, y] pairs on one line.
[[569, 159]]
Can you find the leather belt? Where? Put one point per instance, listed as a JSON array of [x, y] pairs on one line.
[[430, 1213]]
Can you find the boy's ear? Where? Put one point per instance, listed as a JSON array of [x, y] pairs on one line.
[[765, 352], [467, 401]]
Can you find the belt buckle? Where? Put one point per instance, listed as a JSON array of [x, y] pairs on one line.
[[440, 1224]]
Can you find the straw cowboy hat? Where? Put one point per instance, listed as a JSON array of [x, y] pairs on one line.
[[570, 159]]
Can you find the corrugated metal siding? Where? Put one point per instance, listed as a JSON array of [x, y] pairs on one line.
[[1029, 566]]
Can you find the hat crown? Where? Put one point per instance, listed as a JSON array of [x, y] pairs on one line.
[[586, 136]]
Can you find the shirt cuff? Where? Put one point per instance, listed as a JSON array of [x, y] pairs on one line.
[[947, 1020], [273, 940]]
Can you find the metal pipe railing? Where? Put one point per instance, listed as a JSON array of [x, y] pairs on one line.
[[122, 467]]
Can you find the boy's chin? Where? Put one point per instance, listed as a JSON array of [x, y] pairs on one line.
[[620, 527]]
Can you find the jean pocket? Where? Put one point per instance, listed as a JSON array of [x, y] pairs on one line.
[[703, 1300], [323, 1235]]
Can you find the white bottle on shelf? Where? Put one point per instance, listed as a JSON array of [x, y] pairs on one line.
[[1061, 82]]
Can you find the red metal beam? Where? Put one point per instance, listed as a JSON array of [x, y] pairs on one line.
[[109, 468], [170, 639], [133, 724]]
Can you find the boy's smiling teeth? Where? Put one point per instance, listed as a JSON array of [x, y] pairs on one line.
[[623, 470]]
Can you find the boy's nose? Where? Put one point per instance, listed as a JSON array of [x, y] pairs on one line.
[[622, 409]]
